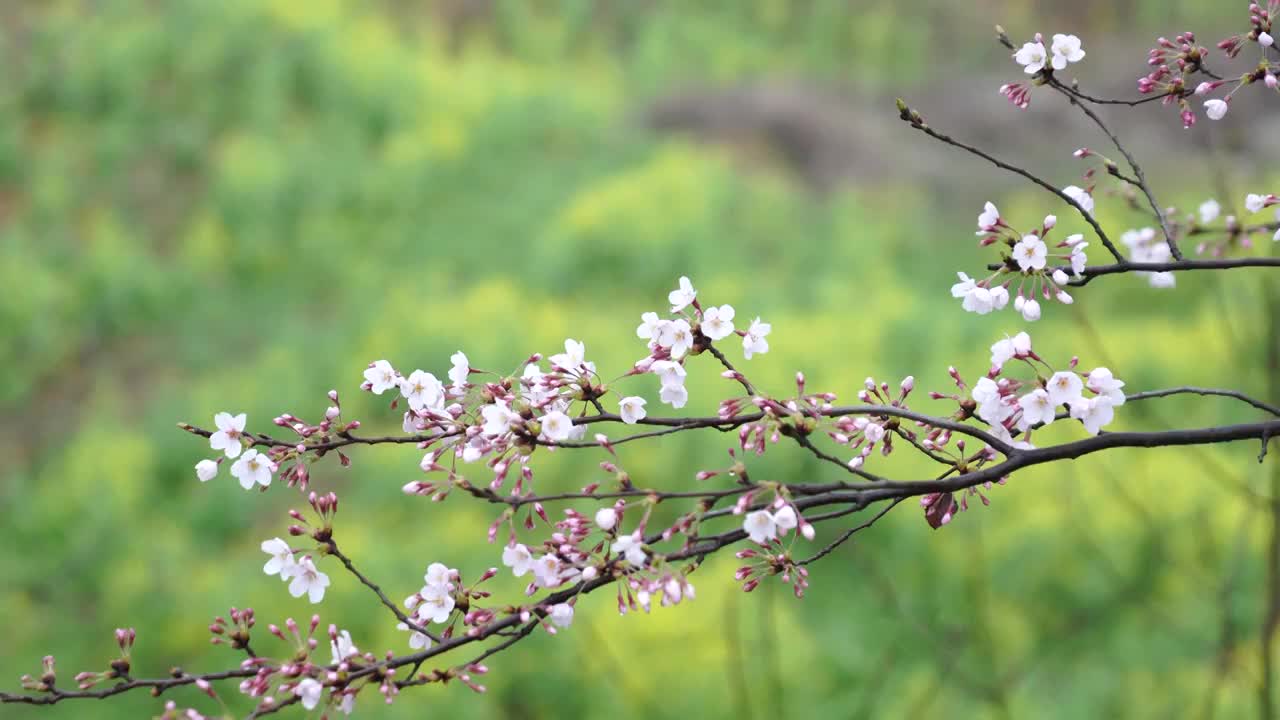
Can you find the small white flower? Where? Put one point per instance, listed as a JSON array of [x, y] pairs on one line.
[[717, 322], [342, 648], [253, 467], [309, 690], [670, 373], [1209, 210], [1065, 49], [417, 640], [1036, 408], [754, 343], [1004, 350], [556, 426], [677, 336], [1081, 196], [985, 391], [573, 357], [999, 297], [1094, 413], [1078, 258], [561, 615], [606, 518], [548, 570], [632, 548], [977, 300], [682, 295], [786, 517], [964, 287], [381, 377], [674, 395], [760, 526], [439, 575], [230, 430], [437, 604], [873, 432], [1031, 57], [307, 580], [422, 390], [206, 470], [497, 419], [1060, 277], [1255, 203], [650, 326], [1102, 382], [1215, 109], [631, 408], [1064, 387], [518, 558], [1030, 253], [281, 557], [1265, 40], [1030, 310], [988, 218], [461, 368]]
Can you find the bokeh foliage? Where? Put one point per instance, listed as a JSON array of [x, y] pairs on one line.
[[236, 205]]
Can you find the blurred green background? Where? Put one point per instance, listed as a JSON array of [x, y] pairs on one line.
[[235, 205]]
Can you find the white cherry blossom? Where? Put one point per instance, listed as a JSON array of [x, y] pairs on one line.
[[717, 322], [677, 336], [1064, 387], [1102, 382], [306, 580], [607, 518], [760, 526], [630, 547], [1216, 109], [417, 640], [422, 390], [518, 558], [206, 470], [1036, 408], [1065, 49], [1030, 253], [437, 604], [461, 368], [309, 690], [381, 377], [1209, 210], [281, 557], [1093, 413], [557, 426], [631, 408], [561, 615], [1031, 56], [754, 343], [1081, 196], [253, 467], [682, 296], [230, 431]]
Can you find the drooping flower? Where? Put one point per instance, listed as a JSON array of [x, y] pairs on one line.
[[307, 580], [206, 470], [548, 570], [1081, 196], [785, 518], [1216, 109], [439, 575], [631, 408], [417, 640], [674, 395], [309, 690], [561, 615], [1030, 309], [760, 526], [607, 518], [682, 296], [631, 547], [717, 322], [670, 373], [253, 467], [381, 377], [230, 431], [1255, 203]]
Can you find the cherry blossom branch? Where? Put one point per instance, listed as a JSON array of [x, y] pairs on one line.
[[331, 548], [1140, 180], [916, 121]]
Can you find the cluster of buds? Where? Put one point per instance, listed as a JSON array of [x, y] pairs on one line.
[[235, 633], [326, 508], [764, 564], [1173, 62], [1260, 19], [48, 676]]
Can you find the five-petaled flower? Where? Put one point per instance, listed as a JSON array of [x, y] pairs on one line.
[[306, 579], [309, 690], [754, 343], [717, 322], [518, 558], [381, 377], [281, 561], [682, 296], [229, 434], [631, 409], [253, 467], [630, 547]]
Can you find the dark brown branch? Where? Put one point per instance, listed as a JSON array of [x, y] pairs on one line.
[[332, 549], [917, 122]]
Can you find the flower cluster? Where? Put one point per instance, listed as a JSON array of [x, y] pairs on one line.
[[301, 574], [1012, 405], [1146, 247], [1026, 256], [1173, 63], [1040, 64], [434, 603]]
